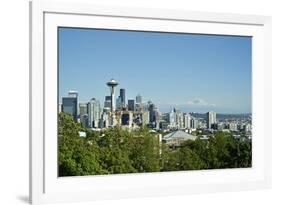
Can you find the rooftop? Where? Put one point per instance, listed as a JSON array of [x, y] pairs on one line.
[[179, 135]]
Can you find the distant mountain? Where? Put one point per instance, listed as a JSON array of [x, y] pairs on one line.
[[222, 116]]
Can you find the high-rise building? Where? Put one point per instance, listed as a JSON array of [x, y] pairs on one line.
[[123, 97], [145, 118], [131, 105], [69, 105], [94, 112], [164, 125], [106, 110], [194, 123], [176, 119], [179, 119], [211, 119], [172, 119], [151, 110], [139, 104], [138, 99], [154, 115], [108, 98], [107, 102], [84, 119], [158, 117], [73, 94], [83, 109], [104, 120], [119, 103], [187, 120]]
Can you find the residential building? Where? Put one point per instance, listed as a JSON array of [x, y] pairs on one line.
[[194, 123], [187, 121], [211, 119]]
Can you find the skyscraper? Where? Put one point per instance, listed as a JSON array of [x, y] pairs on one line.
[[84, 120], [187, 120], [179, 118], [194, 123], [104, 120], [176, 119], [211, 119], [172, 119], [107, 102], [131, 105], [82, 109], [123, 97], [119, 103], [138, 99], [158, 117], [73, 94], [154, 114], [83, 114], [69, 105], [139, 105], [145, 118], [94, 112]]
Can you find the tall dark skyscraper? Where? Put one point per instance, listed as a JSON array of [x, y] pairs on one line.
[[69, 105], [152, 113], [123, 98]]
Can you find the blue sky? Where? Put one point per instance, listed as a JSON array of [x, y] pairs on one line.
[[193, 72]]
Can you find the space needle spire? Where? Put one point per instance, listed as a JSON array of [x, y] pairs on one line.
[[112, 85]]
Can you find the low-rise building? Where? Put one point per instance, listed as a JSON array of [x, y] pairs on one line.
[[177, 137]]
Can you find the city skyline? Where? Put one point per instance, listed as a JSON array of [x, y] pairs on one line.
[[164, 68], [137, 114]]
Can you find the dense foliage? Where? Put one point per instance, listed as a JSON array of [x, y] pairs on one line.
[[115, 151]]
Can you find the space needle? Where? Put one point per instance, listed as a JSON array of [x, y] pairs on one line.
[[112, 84]]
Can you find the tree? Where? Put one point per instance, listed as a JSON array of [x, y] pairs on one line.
[[144, 152], [182, 159], [116, 151], [115, 145], [77, 156]]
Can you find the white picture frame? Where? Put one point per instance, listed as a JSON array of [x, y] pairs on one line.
[[46, 187]]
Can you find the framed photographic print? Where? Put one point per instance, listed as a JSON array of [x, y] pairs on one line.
[[130, 102]]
